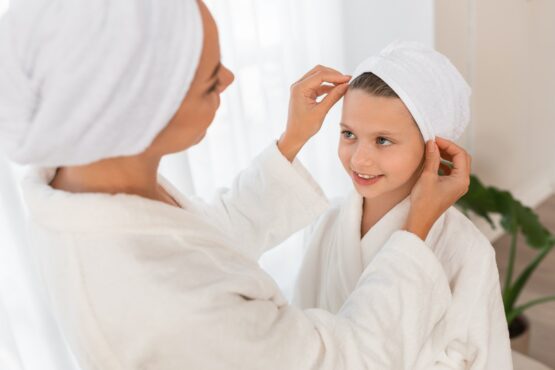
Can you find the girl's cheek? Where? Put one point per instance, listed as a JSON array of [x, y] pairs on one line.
[[344, 154]]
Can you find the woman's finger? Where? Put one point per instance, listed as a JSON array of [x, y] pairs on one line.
[[320, 77]]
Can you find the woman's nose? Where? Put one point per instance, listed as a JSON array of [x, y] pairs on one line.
[[227, 78]]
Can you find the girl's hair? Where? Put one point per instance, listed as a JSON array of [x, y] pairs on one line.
[[373, 85]]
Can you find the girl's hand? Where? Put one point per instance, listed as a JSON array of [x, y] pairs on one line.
[[433, 194], [306, 115]]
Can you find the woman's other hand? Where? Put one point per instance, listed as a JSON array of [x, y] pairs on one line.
[[433, 194], [306, 114]]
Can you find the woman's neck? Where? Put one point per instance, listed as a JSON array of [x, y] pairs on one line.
[[137, 175]]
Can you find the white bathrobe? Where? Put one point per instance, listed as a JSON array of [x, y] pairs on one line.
[[138, 284], [473, 333]]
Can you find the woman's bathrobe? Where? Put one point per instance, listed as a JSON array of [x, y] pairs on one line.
[[138, 284], [473, 332]]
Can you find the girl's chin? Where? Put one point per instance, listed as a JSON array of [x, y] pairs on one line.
[[369, 194], [366, 192]]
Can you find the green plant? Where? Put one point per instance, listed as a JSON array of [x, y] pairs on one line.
[[515, 218]]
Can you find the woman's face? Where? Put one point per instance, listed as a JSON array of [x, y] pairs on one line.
[[197, 111], [380, 145]]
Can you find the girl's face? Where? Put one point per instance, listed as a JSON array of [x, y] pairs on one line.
[[380, 145]]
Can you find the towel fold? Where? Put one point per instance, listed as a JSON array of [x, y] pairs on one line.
[[82, 81], [429, 85]]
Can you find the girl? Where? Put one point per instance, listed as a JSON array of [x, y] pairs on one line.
[[396, 101]]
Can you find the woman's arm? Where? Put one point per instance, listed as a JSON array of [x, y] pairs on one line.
[[276, 196], [267, 202]]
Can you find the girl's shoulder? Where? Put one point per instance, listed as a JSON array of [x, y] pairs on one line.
[[457, 234]]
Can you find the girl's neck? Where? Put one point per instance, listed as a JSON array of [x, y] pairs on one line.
[[373, 209]]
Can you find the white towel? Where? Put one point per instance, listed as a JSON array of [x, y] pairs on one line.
[[429, 85], [86, 80]]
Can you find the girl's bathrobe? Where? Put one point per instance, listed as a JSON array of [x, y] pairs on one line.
[[473, 332], [138, 284]]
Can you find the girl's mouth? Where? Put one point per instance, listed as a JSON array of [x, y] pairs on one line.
[[363, 179]]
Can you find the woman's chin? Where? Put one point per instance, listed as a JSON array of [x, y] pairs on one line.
[[200, 137]]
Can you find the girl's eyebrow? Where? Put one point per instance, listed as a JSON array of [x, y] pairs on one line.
[[382, 132]]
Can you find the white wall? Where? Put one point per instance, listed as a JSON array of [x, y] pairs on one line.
[[3, 6], [369, 25], [506, 49]]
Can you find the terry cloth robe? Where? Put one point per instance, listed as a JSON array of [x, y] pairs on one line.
[[138, 284], [473, 333]]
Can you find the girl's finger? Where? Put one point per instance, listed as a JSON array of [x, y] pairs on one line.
[[447, 148], [456, 155], [445, 169], [432, 159]]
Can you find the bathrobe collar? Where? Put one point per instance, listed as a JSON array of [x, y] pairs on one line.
[[91, 212], [356, 253]]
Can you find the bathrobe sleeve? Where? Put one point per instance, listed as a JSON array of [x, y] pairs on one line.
[[487, 345], [383, 325], [488, 330], [268, 201], [239, 320]]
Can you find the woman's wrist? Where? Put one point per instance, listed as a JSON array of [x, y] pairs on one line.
[[289, 147]]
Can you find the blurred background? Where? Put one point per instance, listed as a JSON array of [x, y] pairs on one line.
[[504, 48]]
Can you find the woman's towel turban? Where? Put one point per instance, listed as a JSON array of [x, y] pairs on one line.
[[84, 80], [430, 86]]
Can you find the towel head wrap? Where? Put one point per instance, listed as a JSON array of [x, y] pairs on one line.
[[82, 81], [430, 86]]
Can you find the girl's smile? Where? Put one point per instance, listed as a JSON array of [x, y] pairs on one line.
[[365, 180]]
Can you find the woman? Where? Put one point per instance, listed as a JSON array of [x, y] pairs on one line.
[[142, 277]]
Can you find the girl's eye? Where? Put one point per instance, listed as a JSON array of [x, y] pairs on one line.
[[347, 134], [383, 141]]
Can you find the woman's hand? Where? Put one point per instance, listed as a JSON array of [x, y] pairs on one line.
[[433, 194], [306, 115]]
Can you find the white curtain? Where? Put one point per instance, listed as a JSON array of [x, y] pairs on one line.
[[268, 45]]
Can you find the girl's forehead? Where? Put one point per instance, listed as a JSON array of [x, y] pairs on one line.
[[371, 113]]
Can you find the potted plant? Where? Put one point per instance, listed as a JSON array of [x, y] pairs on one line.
[[515, 218]]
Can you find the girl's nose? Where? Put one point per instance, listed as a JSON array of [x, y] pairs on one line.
[[362, 158]]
